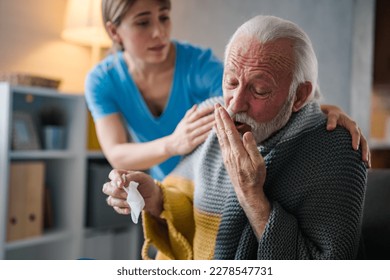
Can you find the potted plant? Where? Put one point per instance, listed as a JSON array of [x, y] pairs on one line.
[[53, 126]]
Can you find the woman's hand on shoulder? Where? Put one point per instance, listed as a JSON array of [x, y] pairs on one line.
[[192, 130], [338, 117]]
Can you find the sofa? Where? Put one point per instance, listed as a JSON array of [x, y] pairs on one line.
[[376, 216]]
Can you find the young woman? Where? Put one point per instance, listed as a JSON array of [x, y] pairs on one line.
[[149, 87]]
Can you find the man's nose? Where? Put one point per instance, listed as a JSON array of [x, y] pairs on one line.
[[239, 102]]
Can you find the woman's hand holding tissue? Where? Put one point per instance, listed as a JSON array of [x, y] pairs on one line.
[[147, 188]]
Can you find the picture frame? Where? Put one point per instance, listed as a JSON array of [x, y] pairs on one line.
[[24, 133]]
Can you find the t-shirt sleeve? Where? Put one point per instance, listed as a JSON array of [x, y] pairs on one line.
[[99, 94], [205, 75]]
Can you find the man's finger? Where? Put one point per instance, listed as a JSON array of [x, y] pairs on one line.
[[112, 190], [116, 174], [231, 132], [251, 148], [220, 129], [123, 211]]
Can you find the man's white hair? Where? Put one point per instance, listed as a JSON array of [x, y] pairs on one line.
[[270, 28]]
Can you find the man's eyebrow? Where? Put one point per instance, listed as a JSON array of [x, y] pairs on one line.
[[230, 69]]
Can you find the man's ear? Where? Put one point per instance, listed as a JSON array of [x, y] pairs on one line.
[[301, 95], [112, 31]]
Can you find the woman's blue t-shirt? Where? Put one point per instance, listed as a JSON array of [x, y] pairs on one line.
[[110, 89]]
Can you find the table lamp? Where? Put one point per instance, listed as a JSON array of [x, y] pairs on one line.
[[84, 26]]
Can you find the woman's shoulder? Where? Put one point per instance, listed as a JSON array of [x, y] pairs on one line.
[[107, 71], [107, 65], [192, 56], [103, 75], [188, 49]]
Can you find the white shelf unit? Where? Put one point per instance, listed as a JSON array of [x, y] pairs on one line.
[[64, 173]]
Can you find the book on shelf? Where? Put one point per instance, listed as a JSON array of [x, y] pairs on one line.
[[48, 215], [92, 140], [25, 200]]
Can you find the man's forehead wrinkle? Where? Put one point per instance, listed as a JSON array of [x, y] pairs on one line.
[[255, 53], [239, 59], [275, 60], [281, 62]]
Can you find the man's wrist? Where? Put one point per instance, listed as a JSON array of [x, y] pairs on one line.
[[157, 208], [258, 215]]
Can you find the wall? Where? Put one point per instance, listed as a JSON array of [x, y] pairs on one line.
[[341, 31], [30, 42]]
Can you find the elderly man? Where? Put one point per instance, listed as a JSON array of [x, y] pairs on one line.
[[270, 182]]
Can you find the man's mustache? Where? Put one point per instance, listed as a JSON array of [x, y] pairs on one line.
[[230, 110]]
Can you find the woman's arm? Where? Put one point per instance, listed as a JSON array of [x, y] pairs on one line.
[[338, 117], [121, 154], [192, 130]]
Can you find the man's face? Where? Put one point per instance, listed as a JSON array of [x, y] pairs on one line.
[[256, 85]]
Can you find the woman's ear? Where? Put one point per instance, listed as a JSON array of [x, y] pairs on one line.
[[301, 96], [112, 31]]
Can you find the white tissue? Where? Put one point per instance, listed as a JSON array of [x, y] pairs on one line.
[[135, 200]]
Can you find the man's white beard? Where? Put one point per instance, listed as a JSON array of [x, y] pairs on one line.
[[262, 131]]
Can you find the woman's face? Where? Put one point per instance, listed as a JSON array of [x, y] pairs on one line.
[[145, 31]]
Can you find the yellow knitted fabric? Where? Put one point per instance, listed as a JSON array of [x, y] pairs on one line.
[[176, 237], [205, 235]]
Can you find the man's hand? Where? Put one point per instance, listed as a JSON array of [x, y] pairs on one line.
[[147, 188], [246, 169]]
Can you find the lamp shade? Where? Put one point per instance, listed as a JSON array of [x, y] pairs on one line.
[[83, 23]]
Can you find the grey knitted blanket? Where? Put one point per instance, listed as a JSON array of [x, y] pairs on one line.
[[315, 182]]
